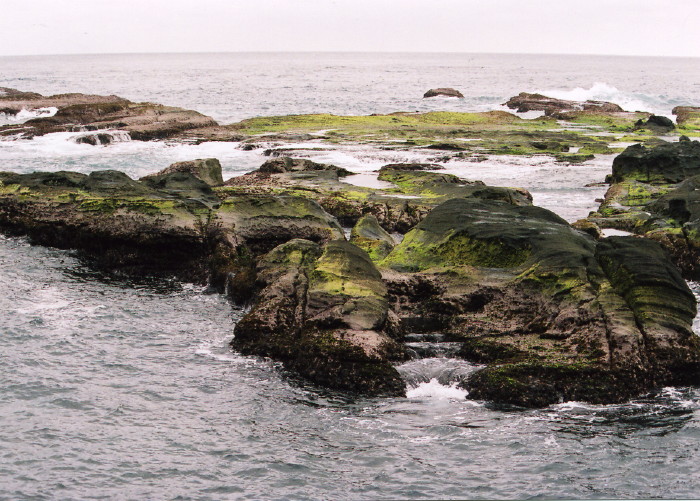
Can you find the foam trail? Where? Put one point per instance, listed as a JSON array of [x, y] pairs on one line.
[[433, 389], [601, 91]]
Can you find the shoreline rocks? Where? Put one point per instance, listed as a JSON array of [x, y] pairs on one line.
[[553, 313]]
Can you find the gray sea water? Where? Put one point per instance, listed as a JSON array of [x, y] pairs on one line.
[[124, 388]]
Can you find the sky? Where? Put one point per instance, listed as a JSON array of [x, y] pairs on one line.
[[620, 27]]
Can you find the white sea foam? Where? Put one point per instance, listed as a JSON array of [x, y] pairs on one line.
[[433, 389], [601, 91], [24, 115]]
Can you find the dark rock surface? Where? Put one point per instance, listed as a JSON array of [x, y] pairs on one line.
[[443, 91], [524, 102], [555, 315], [206, 169], [665, 163], [323, 312]]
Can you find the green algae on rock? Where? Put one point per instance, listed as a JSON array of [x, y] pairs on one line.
[[323, 312], [369, 236], [654, 194], [555, 315]]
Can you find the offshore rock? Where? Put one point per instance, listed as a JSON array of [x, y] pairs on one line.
[[143, 121], [554, 314], [524, 102], [443, 91], [323, 312]]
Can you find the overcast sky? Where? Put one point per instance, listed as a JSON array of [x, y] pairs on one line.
[[626, 27]]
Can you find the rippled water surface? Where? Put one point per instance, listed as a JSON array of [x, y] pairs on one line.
[[114, 387]]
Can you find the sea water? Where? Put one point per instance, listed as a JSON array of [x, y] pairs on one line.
[[114, 387]]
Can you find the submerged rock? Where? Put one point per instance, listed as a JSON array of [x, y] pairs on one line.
[[443, 91]]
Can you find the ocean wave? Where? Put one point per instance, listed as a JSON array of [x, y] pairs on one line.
[[601, 91], [24, 115]]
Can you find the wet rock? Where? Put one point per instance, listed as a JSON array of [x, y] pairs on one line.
[[524, 102], [143, 121], [323, 312], [281, 165], [657, 124], [555, 315], [205, 169], [368, 235], [443, 91], [665, 163]]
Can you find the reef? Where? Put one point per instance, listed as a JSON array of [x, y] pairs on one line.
[[552, 313], [336, 277]]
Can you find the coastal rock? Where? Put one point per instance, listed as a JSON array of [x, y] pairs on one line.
[[414, 192], [281, 165], [368, 235], [554, 315], [443, 91], [665, 163], [657, 124], [687, 115], [524, 102], [142, 121], [206, 169], [323, 312]]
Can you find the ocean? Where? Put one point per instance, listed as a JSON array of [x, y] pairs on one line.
[[125, 388]]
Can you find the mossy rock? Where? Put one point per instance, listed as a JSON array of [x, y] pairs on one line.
[[323, 312], [490, 234], [207, 170], [665, 163], [372, 238]]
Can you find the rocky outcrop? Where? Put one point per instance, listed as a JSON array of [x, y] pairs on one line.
[[282, 165], [414, 191], [665, 163], [206, 169], [444, 91], [656, 124], [524, 102], [654, 194], [323, 312], [142, 121], [168, 224], [554, 314], [686, 115], [368, 235]]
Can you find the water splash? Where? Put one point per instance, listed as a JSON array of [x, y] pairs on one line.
[[601, 91]]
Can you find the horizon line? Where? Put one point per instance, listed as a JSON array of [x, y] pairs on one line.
[[574, 54]]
